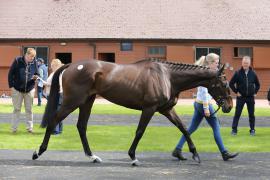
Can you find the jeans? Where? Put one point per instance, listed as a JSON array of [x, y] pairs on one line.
[[40, 94], [197, 119], [240, 102], [59, 127]]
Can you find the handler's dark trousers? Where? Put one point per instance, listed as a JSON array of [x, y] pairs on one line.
[[240, 102]]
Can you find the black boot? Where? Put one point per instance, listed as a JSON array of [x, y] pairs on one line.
[[226, 155], [178, 154]]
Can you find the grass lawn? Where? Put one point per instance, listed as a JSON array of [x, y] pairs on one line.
[[115, 109], [119, 138]]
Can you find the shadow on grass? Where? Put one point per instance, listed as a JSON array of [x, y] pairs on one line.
[[18, 133]]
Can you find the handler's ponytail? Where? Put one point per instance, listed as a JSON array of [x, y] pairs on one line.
[[201, 61], [206, 60]]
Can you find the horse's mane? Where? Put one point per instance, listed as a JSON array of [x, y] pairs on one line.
[[176, 66]]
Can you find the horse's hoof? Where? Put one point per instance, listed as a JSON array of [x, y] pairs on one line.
[[135, 162], [95, 159], [35, 155], [196, 158]]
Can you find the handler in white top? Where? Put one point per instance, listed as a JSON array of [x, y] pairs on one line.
[[55, 64], [203, 108]]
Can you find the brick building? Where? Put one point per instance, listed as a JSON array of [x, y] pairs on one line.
[[126, 31]]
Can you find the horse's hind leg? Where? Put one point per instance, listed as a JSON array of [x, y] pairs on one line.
[[172, 116], [84, 114], [63, 112], [144, 120]]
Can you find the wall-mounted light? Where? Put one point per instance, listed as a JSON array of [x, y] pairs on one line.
[[63, 43]]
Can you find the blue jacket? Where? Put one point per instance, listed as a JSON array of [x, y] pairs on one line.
[[246, 85], [43, 72], [21, 73]]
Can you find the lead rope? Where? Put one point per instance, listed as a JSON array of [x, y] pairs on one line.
[[210, 113]]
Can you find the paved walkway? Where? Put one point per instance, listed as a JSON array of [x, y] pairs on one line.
[[127, 120], [17, 164]]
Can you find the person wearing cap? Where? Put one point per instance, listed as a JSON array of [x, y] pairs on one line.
[[43, 72]]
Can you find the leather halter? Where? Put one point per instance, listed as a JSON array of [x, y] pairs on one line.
[[220, 101]]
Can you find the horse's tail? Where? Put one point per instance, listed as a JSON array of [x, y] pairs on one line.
[[53, 98]]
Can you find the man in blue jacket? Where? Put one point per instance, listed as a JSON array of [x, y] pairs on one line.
[[245, 84], [43, 72], [21, 78]]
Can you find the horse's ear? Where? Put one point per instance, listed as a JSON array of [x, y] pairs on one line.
[[221, 69]]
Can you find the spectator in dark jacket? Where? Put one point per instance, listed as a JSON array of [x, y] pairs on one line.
[[245, 84], [21, 78]]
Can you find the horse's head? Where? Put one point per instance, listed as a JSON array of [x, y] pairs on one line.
[[220, 91]]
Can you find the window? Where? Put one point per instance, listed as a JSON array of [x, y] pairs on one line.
[[242, 51], [203, 51], [156, 51], [65, 58], [126, 46], [42, 52]]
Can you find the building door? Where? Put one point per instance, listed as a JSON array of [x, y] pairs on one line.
[[109, 57], [64, 57]]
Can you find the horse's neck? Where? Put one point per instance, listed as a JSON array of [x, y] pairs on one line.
[[184, 80]]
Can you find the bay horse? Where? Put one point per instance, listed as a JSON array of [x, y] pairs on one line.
[[149, 85]]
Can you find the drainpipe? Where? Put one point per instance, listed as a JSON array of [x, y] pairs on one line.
[[94, 49]]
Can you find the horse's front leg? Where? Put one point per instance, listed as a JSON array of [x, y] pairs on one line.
[[146, 116], [59, 116], [44, 145], [173, 117]]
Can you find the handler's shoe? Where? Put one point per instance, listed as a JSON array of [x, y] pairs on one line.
[[226, 155], [178, 154]]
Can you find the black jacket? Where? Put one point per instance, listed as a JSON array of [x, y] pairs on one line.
[[21, 73], [246, 85]]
